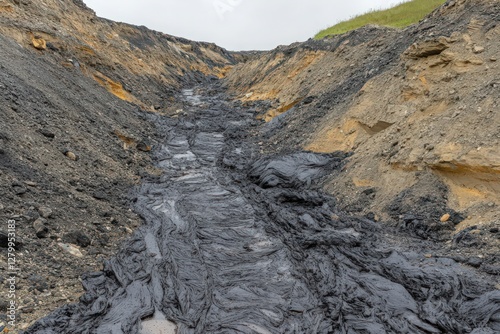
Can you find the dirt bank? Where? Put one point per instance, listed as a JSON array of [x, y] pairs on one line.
[[79, 96], [418, 109]]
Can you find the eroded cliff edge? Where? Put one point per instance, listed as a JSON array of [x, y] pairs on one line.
[[418, 109]]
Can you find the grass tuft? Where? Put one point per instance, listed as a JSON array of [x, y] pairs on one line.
[[400, 16]]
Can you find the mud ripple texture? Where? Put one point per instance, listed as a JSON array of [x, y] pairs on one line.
[[239, 243]]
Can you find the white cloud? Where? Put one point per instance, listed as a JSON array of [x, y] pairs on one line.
[[236, 24]]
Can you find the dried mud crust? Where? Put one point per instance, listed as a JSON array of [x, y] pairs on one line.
[[237, 241]]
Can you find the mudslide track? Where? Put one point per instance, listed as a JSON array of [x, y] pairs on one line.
[[237, 242]]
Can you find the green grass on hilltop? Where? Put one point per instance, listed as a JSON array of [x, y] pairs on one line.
[[399, 16]]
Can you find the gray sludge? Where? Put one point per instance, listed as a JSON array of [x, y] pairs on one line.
[[234, 242]]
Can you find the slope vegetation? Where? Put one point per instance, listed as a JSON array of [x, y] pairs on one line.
[[400, 16]]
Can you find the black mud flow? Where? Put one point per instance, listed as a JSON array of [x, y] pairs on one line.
[[234, 242]]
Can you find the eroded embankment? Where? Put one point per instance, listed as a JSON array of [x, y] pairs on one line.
[[418, 109], [237, 242]]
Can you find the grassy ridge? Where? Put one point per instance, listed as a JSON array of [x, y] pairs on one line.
[[399, 16]]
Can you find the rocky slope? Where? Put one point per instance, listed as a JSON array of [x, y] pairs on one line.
[[79, 96], [418, 109]]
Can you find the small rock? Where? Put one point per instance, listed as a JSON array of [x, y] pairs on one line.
[[31, 215], [45, 212], [4, 239], [3, 308], [71, 249], [100, 195], [38, 282], [18, 188], [428, 256], [41, 228], [142, 146], [493, 59], [39, 43], [76, 238], [31, 183], [427, 48], [497, 286], [47, 133], [478, 49], [1, 207], [20, 191], [475, 262], [445, 218], [476, 61], [71, 155], [494, 230]]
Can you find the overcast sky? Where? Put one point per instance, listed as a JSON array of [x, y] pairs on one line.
[[236, 24]]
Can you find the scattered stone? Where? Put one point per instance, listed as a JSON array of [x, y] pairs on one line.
[[100, 195], [142, 146], [494, 230], [426, 49], [38, 282], [71, 249], [47, 133], [45, 212], [477, 49], [475, 262], [4, 304], [4, 240], [52, 47], [31, 215], [39, 43], [497, 286], [77, 238], [20, 191], [445, 218], [428, 256], [1, 207], [476, 61], [493, 59], [71, 155], [31, 183], [41, 228]]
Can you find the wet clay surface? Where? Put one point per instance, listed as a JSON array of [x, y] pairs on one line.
[[237, 242]]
